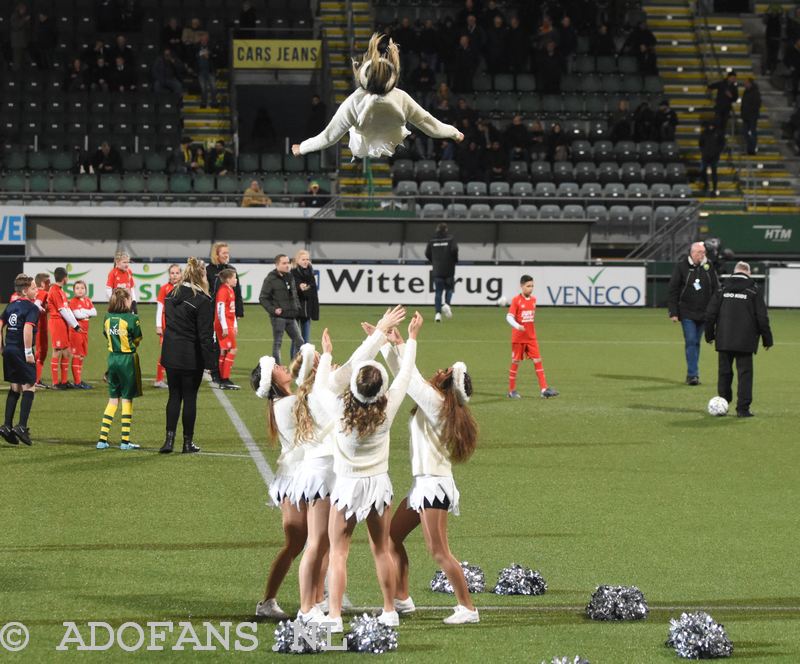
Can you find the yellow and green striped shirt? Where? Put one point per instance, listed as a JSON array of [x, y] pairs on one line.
[[123, 332]]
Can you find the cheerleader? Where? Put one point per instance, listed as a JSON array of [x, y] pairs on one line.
[[315, 417], [363, 490], [377, 112], [442, 431]]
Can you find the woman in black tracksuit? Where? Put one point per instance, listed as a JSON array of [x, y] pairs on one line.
[[187, 350]]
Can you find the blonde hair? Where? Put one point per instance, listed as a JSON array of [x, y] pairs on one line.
[[304, 420], [364, 418], [22, 282], [194, 275], [300, 253], [379, 68], [118, 302], [119, 255], [215, 251]]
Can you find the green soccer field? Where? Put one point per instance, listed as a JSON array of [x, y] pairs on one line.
[[623, 479]]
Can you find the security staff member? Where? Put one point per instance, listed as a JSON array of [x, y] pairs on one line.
[[442, 253], [736, 317]]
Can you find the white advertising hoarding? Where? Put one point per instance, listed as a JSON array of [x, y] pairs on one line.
[[784, 287], [596, 286]]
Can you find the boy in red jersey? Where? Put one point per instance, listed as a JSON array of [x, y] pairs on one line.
[[521, 316], [121, 276], [225, 326], [83, 310], [59, 321], [42, 281], [161, 319]]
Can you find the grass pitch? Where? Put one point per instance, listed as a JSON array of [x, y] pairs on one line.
[[623, 479]]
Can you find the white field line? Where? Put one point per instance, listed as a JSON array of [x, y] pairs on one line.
[[582, 607], [554, 342]]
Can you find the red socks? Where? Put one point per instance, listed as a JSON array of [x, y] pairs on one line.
[[512, 376], [159, 372], [77, 368], [64, 369], [540, 375], [54, 366], [226, 366]]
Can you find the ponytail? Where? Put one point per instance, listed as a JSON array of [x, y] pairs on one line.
[[379, 69]]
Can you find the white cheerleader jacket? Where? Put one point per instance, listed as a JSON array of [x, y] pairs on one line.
[[377, 124]]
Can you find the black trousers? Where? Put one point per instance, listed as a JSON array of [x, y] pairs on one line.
[[183, 387], [744, 386]]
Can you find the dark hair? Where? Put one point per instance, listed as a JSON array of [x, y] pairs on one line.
[[41, 278], [59, 274], [278, 258], [441, 229], [525, 278]]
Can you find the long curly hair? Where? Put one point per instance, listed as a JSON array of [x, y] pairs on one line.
[[459, 428], [304, 421], [364, 418], [383, 57]]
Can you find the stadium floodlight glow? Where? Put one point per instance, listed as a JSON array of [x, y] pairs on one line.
[[679, 69], [765, 183], [724, 48], [719, 28]]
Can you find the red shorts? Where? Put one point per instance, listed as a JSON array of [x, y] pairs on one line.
[[521, 351], [78, 343], [59, 334], [226, 343]]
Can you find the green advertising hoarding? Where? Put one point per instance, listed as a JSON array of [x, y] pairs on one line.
[[755, 233]]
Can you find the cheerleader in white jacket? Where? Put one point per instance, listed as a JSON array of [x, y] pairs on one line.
[[442, 431], [377, 112]]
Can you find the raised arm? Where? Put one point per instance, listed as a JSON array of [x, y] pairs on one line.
[[397, 391], [343, 119], [420, 390], [426, 123]]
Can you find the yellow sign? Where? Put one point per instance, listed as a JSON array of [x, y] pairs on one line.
[[277, 53]]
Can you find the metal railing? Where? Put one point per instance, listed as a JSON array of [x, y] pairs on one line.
[[671, 239]]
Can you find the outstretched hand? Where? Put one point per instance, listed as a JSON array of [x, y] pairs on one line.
[[392, 318], [327, 344], [394, 337], [296, 149], [459, 138], [415, 325], [368, 328]]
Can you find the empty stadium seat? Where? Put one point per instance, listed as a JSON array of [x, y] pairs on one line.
[[549, 211], [476, 188], [453, 188], [499, 189], [406, 188], [479, 211], [522, 189], [573, 212], [456, 211], [527, 211], [503, 211], [432, 211]]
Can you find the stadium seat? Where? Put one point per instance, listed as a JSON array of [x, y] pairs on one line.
[[591, 190], [619, 217], [654, 173], [227, 184], [648, 151], [522, 189], [541, 172], [527, 211], [39, 183], [448, 170], [110, 184], [626, 151], [133, 183], [630, 172], [660, 190], [641, 217], [432, 211], [676, 173], [664, 214], [155, 162], [526, 83], [614, 190], [271, 162], [603, 150], [476, 189], [479, 211], [456, 211], [568, 190], [132, 162], [453, 188], [86, 183], [607, 172], [669, 151], [549, 211], [406, 188], [636, 190], [499, 189], [503, 211], [38, 161], [402, 169], [157, 183], [291, 164], [297, 185], [585, 171], [204, 183], [681, 191], [63, 183], [572, 211], [180, 183], [274, 185], [249, 163], [581, 151], [562, 172], [425, 169], [430, 188], [518, 171], [599, 212]]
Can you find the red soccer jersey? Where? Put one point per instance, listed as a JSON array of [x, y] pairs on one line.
[[524, 311], [165, 290], [225, 309], [120, 279], [56, 299], [81, 303]]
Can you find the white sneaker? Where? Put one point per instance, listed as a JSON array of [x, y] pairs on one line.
[[461, 616], [404, 605], [335, 624], [447, 311], [390, 619], [160, 385], [313, 616], [270, 609], [323, 605], [438, 318]]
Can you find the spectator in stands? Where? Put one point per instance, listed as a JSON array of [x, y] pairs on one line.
[[545, 35], [488, 15], [640, 36], [621, 122], [602, 42], [557, 144], [190, 37], [792, 60], [518, 46], [567, 39], [45, 40], [263, 135], [220, 159], [171, 35], [517, 139], [648, 64], [182, 157], [205, 73], [76, 77], [549, 67], [317, 116], [123, 76], [95, 51], [727, 94], [466, 127], [468, 8], [248, 16], [488, 133], [444, 150], [100, 76], [497, 162], [476, 34], [537, 141], [464, 110], [106, 160], [406, 38], [428, 41], [469, 158], [773, 22], [497, 57], [167, 71], [444, 113], [421, 84], [254, 196], [465, 62], [442, 93], [122, 49], [198, 164], [416, 147], [750, 110], [666, 121], [712, 143], [317, 197], [644, 125], [20, 34]]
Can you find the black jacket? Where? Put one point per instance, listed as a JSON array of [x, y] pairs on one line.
[[751, 104], [214, 283], [685, 300], [737, 316], [279, 292], [442, 252], [712, 143], [724, 101], [189, 335], [309, 299]]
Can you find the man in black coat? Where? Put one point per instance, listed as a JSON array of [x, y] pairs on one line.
[[694, 281], [712, 143], [727, 94], [442, 253], [279, 298], [736, 317], [751, 108]]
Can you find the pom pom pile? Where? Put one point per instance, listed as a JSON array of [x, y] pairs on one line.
[[368, 635], [617, 603], [519, 580], [284, 639], [567, 660], [698, 636], [476, 581]]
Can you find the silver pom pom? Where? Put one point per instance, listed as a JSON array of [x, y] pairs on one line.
[[368, 635], [617, 603], [476, 581], [285, 639], [698, 636], [519, 580], [566, 660]]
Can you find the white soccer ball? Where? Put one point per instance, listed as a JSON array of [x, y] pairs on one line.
[[503, 301], [717, 406]]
